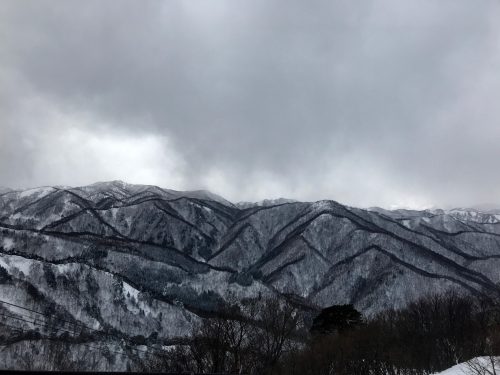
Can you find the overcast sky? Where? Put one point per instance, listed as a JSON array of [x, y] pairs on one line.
[[394, 103]]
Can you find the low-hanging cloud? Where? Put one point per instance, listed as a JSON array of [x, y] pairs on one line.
[[370, 103]]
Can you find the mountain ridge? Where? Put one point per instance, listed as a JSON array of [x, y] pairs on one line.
[[143, 260]]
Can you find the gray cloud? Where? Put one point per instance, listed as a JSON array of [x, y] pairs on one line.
[[370, 103]]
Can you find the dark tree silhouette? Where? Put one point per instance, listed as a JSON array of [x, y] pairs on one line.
[[336, 319]]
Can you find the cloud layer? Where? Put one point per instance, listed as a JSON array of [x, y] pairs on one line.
[[391, 103]]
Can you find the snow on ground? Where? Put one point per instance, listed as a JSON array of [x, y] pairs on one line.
[[13, 261], [40, 192], [8, 243], [130, 290], [464, 369], [460, 369]]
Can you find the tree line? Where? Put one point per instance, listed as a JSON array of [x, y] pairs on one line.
[[272, 336]]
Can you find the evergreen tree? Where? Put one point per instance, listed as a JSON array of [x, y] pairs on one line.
[[336, 319]]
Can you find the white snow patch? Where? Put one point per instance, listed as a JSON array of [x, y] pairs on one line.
[[406, 223], [22, 265], [321, 205], [459, 369], [66, 268], [40, 192], [19, 215], [7, 243], [129, 290], [13, 261], [463, 368], [147, 309], [128, 219], [3, 263], [138, 304]]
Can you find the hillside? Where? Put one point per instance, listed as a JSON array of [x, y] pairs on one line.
[[145, 263]]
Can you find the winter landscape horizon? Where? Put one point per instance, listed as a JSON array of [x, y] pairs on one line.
[[146, 267], [479, 207], [260, 187]]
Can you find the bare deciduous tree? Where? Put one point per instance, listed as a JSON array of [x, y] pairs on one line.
[[488, 365]]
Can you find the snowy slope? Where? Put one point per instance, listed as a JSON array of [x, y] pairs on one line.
[[483, 363], [147, 261]]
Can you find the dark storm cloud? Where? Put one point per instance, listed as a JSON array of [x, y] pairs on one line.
[[374, 102]]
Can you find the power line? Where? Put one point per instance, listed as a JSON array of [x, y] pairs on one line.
[[21, 330], [13, 327], [73, 323], [102, 349], [34, 322], [46, 315], [63, 320]]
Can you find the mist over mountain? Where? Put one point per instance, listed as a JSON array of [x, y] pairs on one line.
[[146, 263]]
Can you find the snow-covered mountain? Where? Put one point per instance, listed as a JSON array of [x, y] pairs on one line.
[[146, 263], [264, 203]]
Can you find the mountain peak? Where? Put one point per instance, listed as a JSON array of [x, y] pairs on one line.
[[265, 203]]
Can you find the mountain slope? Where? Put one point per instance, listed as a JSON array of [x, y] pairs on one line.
[[140, 260]]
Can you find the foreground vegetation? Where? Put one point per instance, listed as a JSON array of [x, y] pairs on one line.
[[271, 336]]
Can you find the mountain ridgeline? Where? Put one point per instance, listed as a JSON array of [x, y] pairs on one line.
[[145, 262]]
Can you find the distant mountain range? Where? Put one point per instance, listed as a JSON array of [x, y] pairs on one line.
[[144, 261]]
